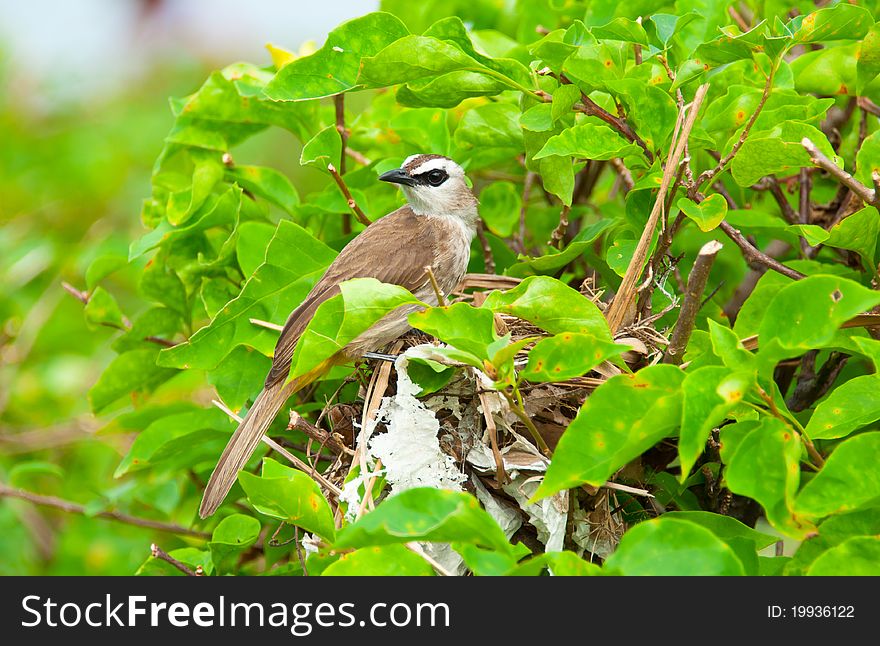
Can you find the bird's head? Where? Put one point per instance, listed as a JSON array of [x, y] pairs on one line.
[[434, 185]]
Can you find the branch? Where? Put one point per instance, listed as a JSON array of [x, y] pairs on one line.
[[488, 258], [754, 255], [339, 104], [358, 213], [619, 306], [593, 109], [266, 324], [520, 240], [693, 298], [558, 235], [709, 175], [819, 159], [626, 177], [158, 553], [74, 508], [332, 441]]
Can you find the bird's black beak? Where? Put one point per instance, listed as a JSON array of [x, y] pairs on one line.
[[398, 176]]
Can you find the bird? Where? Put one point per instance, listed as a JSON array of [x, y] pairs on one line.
[[435, 228]]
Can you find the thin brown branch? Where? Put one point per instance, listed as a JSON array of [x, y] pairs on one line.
[[788, 212], [158, 553], [488, 257], [332, 441], [500, 473], [358, 213], [693, 298], [75, 508], [623, 172], [820, 160], [339, 104], [619, 306], [592, 109], [266, 324], [519, 241], [441, 297], [709, 175], [753, 255], [358, 156], [82, 297], [557, 238]]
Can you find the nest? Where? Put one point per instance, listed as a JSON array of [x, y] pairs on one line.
[[483, 446]]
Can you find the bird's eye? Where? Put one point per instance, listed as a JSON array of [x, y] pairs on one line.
[[436, 177]]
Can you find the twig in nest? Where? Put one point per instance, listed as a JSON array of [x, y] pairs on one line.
[[358, 213], [295, 461], [158, 553], [693, 298], [500, 474], [330, 440]]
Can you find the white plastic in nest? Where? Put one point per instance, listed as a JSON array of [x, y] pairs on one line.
[[409, 449]]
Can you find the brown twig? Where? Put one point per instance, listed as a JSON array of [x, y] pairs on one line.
[[358, 213], [754, 255], [441, 297], [519, 241], [819, 159], [158, 553], [617, 311], [788, 212], [339, 104], [488, 257], [500, 473], [74, 508], [693, 298], [358, 156], [558, 235], [709, 175], [626, 177], [331, 440]]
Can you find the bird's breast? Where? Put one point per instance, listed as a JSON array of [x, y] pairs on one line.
[[453, 251]]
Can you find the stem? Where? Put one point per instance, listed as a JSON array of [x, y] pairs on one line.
[[359, 214], [517, 409], [819, 159], [158, 553], [754, 255], [339, 104], [74, 508], [558, 235], [696, 285], [520, 240]]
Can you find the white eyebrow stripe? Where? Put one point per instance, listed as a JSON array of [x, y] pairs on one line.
[[432, 164]]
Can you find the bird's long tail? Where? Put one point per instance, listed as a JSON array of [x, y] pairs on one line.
[[243, 443]]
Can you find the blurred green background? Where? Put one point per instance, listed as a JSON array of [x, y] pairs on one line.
[[83, 112]]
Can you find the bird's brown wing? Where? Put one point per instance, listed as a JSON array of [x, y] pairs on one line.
[[394, 249]]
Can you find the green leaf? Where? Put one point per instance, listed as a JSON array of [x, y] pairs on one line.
[[567, 355], [240, 376], [253, 241], [267, 183], [425, 514], [807, 313], [858, 232], [868, 63], [588, 141], [343, 317], [170, 428], [709, 393], [207, 173], [849, 406], [552, 306], [538, 118], [848, 480], [619, 255], [277, 287], [841, 22], [380, 560], [103, 266], [776, 151], [623, 417], [765, 467], [322, 150], [430, 375], [564, 99], [621, 29], [708, 214], [102, 309], [334, 68], [134, 371], [500, 203], [291, 496], [554, 261], [724, 527], [490, 130], [570, 564], [673, 547], [813, 233], [233, 535], [470, 329], [858, 556], [557, 173], [415, 57]]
